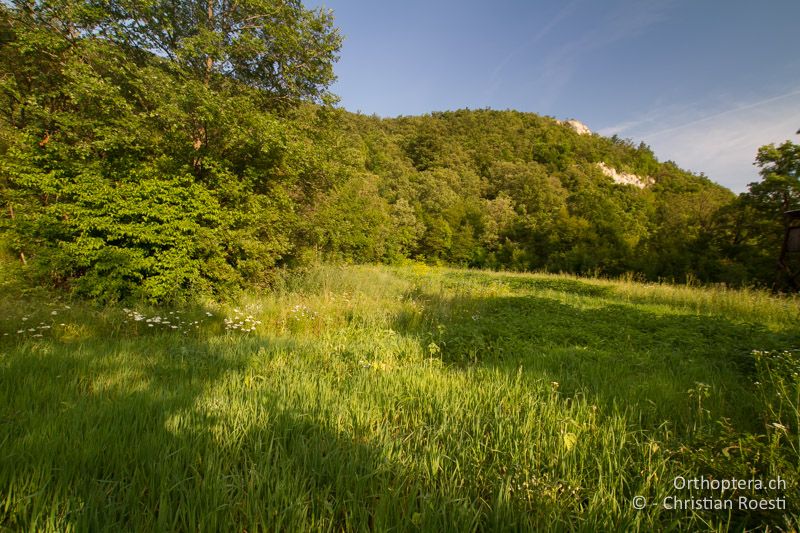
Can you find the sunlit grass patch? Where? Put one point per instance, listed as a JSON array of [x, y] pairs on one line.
[[405, 397]]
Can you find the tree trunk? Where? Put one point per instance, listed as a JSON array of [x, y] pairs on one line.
[[209, 58]]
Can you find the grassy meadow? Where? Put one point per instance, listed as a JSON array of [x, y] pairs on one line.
[[400, 398]]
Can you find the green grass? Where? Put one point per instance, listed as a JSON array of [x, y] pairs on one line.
[[377, 398]]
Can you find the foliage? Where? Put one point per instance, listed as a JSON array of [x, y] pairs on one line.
[[281, 48], [126, 174], [753, 228], [162, 151], [519, 191]]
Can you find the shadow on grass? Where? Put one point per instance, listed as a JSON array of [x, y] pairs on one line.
[[110, 436], [691, 374], [84, 442], [616, 355], [140, 434]]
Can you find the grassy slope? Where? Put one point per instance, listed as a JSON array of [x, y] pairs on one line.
[[376, 397]]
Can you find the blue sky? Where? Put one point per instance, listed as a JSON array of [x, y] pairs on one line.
[[703, 82]]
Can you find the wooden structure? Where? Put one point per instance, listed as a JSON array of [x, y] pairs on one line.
[[790, 248]]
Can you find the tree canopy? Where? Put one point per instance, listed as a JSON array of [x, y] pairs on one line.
[[755, 223], [129, 171]]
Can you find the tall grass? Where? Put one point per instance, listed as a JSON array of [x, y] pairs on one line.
[[376, 398]]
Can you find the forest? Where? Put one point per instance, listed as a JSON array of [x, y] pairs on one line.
[[157, 152]]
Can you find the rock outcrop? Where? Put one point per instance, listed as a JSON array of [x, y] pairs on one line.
[[579, 127], [623, 178]]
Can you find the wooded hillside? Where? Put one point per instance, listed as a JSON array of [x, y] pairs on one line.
[[149, 152]]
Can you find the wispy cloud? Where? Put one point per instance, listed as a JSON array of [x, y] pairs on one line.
[[627, 20], [721, 144], [661, 113], [562, 14]]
